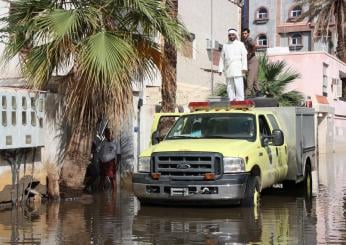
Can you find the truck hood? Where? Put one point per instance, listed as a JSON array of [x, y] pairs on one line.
[[227, 147]]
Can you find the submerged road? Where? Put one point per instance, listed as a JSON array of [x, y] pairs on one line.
[[284, 217]]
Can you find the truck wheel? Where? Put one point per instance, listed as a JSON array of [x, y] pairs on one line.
[[252, 194], [308, 182]]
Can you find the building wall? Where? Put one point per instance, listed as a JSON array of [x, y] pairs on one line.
[[279, 28], [331, 117], [268, 28], [22, 134], [196, 15]]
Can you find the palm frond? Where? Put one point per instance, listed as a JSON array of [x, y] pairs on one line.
[[108, 43], [151, 18], [292, 98], [221, 90], [105, 57], [75, 24], [323, 13], [274, 77]]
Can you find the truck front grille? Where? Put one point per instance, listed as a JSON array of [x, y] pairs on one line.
[[186, 165]]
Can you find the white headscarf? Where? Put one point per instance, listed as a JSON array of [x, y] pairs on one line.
[[233, 31]]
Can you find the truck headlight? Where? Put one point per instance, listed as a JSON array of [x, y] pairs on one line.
[[144, 164], [233, 164]]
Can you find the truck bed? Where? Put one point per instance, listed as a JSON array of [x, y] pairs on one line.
[[298, 125]]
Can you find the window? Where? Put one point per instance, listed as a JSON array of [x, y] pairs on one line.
[[24, 117], [4, 102], [296, 12], [8, 140], [24, 104], [28, 139], [40, 105], [336, 88], [33, 118], [343, 88], [14, 118], [4, 118], [214, 126], [325, 80], [40, 121], [262, 14], [262, 40], [263, 126], [273, 122], [32, 103], [164, 125], [14, 103], [296, 40]]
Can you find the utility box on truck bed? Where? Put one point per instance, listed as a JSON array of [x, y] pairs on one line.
[[298, 126]]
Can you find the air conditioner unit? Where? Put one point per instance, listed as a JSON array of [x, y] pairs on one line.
[[212, 44], [337, 87]]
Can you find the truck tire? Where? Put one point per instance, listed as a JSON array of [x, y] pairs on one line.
[[308, 182], [252, 193]]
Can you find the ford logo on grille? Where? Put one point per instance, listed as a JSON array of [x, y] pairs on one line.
[[183, 166]]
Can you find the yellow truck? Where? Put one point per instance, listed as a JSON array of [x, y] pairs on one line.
[[226, 152]]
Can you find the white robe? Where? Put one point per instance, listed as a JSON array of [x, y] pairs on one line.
[[233, 59]]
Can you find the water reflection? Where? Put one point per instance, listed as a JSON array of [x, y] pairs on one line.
[[284, 217], [279, 220], [331, 200]]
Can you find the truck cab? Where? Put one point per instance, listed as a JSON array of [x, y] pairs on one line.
[[216, 154]]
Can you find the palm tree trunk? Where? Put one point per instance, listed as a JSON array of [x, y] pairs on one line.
[[169, 76], [340, 48]]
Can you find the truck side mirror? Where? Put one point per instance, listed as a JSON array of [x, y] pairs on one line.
[[264, 141], [155, 137], [277, 137]]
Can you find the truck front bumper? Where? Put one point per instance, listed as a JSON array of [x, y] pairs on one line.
[[229, 189]]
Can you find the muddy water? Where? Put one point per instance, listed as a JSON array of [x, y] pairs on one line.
[[284, 217]]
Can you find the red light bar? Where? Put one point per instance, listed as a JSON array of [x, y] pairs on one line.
[[202, 105], [242, 104]]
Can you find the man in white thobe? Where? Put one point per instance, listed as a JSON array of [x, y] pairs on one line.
[[233, 63]]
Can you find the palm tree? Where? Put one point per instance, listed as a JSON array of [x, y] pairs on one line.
[[106, 44], [325, 12], [273, 78]]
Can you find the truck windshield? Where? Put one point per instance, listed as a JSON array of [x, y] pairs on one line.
[[214, 126]]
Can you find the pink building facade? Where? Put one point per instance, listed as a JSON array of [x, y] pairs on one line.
[[323, 80]]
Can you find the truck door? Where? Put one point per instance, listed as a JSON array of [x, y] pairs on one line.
[[161, 125], [270, 152], [280, 150]]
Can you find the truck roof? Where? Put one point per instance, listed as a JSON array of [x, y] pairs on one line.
[[225, 106]]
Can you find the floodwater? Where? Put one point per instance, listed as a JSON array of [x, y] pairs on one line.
[[284, 217]]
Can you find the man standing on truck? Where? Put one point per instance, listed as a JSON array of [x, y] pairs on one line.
[[109, 158], [252, 87], [233, 63]]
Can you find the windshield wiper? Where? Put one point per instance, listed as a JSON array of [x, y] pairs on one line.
[[180, 137], [216, 137]]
